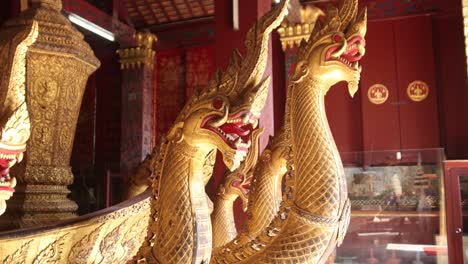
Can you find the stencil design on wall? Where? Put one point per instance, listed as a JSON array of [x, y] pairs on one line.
[[418, 91], [378, 94]]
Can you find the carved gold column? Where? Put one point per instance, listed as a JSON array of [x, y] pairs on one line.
[[298, 25], [58, 66], [137, 100]]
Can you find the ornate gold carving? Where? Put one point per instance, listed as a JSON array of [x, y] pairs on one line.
[[234, 186], [81, 251], [378, 94], [52, 253], [19, 256], [141, 55], [418, 91], [315, 214], [113, 237], [298, 25], [180, 229], [14, 117], [58, 65], [307, 226]]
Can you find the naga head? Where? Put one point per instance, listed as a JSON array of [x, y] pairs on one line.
[[333, 51], [237, 183], [223, 115], [14, 117]]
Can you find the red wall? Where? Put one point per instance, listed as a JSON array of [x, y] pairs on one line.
[[399, 51], [448, 41]]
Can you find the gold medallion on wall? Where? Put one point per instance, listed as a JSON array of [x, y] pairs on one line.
[[378, 94], [417, 91]]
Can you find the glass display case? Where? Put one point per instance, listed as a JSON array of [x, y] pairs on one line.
[[456, 195], [398, 207]]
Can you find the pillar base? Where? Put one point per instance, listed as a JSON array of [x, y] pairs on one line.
[[38, 205]]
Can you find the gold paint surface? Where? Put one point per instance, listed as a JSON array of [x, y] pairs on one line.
[[58, 65]]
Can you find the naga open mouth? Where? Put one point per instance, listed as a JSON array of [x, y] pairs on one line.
[[243, 184], [6, 182], [350, 56], [235, 130], [8, 157]]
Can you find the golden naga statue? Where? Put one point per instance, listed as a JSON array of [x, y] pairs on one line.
[[14, 117], [315, 214], [264, 197], [222, 117], [219, 117], [235, 185]]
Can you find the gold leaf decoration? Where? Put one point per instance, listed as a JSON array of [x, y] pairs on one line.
[[19, 257], [81, 250], [51, 253]]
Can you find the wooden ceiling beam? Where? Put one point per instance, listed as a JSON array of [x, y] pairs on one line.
[[153, 14], [164, 11], [203, 7], [177, 10], [189, 8], [138, 11]]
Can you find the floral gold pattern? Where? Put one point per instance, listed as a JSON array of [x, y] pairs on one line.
[[58, 65], [378, 94], [418, 91]]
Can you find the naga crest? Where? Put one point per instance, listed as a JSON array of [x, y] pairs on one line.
[[14, 117], [335, 48], [237, 183], [224, 114]]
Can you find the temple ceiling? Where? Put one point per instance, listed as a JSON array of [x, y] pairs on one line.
[[147, 13]]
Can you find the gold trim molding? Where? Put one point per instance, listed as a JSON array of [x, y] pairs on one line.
[[142, 54], [298, 25]]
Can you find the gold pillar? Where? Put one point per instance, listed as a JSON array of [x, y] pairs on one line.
[[137, 101], [141, 55], [57, 68], [298, 25]]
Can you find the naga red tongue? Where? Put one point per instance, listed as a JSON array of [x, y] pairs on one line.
[[6, 188], [230, 128]]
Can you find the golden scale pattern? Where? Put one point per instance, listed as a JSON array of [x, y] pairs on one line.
[[303, 231], [175, 228], [222, 217], [265, 196], [310, 224]]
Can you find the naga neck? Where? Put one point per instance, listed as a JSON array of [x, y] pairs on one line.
[[320, 186], [224, 227], [264, 198], [184, 229]]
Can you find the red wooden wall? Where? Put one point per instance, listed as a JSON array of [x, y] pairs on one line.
[[398, 53], [178, 72], [449, 49]]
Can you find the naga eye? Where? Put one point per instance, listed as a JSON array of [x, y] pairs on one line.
[[217, 103], [337, 38]]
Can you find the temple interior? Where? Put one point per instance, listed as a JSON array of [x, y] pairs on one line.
[[110, 87]]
